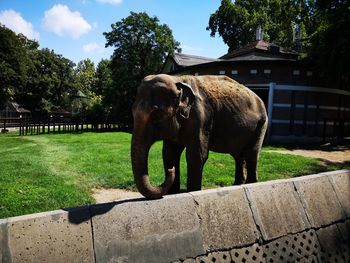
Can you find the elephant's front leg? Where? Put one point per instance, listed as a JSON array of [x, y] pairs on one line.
[[196, 156], [171, 158]]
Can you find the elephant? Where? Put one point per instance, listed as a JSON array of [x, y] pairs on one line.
[[199, 113]]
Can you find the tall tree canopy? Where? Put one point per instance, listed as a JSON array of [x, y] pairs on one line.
[[50, 82], [86, 77], [141, 46], [104, 77], [236, 21], [330, 44], [39, 79], [15, 63]]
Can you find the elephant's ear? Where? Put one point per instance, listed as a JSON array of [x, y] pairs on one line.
[[186, 99]]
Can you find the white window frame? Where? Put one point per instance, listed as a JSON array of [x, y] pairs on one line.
[[296, 72]]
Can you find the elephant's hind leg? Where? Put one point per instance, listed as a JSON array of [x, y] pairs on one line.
[[252, 164], [239, 171]]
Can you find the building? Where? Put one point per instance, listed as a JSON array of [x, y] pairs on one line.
[[14, 110], [299, 107]]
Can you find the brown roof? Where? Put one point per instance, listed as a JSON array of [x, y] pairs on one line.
[[185, 60], [263, 50], [15, 107]]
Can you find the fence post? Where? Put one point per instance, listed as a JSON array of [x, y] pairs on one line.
[[20, 126], [48, 125], [272, 87], [324, 130]]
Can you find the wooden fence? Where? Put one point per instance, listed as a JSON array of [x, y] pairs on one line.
[[54, 125]]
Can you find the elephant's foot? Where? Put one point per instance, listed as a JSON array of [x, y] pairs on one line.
[[238, 182]]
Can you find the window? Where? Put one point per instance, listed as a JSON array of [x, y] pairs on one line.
[[222, 72], [234, 72], [309, 73], [253, 71], [267, 71], [296, 72]]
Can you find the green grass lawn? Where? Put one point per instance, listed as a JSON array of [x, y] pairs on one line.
[[47, 172]]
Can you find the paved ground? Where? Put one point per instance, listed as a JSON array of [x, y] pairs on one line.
[[327, 153], [338, 154], [109, 195]]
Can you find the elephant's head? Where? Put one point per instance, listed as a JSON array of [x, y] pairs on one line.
[[160, 107]]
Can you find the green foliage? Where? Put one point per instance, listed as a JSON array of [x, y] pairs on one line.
[[331, 42], [141, 46], [39, 79], [236, 21], [47, 172], [104, 77], [86, 77], [85, 100], [15, 63], [50, 82], [322, 26]]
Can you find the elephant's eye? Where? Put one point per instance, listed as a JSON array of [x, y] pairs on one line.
[[157, 115]]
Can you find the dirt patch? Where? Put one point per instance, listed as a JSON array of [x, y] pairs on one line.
[[110, 195], [337, 155], [333, 157]]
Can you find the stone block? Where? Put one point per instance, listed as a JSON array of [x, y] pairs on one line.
[[331, 242], [276, 208], [225, 218], [161, 230], [319, 200], [57, 236], [252, 253], [341, 182]]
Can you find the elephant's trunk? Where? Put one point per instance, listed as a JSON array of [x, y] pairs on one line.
[[140, 146]]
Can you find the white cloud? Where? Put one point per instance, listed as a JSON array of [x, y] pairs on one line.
[[93, 47], [62, 21], [14, 21], [113, 2]]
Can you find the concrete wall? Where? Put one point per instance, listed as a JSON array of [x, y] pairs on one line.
[[305, 219]]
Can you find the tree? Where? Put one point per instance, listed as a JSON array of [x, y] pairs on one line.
[[104, 77], [39, 79], [141, 46], [14, 63], [236, 22], [50, 83], [331, 42], [86, 79]]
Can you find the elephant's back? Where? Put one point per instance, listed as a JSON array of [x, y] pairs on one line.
[[223, 91]]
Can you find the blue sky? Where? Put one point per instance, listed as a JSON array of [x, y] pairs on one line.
[[74, 28]]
